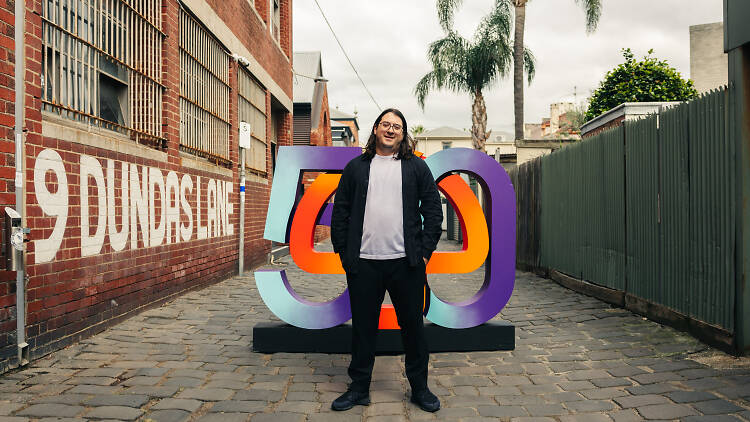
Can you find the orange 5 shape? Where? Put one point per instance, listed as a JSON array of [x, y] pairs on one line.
[[473, 224]]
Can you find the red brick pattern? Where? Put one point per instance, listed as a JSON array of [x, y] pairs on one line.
[[609, 125], [256, 36], [73, 296], [7, 160]]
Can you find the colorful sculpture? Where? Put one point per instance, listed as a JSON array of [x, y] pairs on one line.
[[493, 239]]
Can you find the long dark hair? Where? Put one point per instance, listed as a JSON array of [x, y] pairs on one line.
[[405, 147]]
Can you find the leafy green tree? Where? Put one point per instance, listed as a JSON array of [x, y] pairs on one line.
[[646, 80], [471, 66]]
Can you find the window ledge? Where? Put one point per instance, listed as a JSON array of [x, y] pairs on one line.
[[54, 126], [195, 163]]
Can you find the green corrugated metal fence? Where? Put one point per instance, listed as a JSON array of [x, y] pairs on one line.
[[583, 210], [660, 191], [526, 180], [711, 291], [642, 208], [675, 226]]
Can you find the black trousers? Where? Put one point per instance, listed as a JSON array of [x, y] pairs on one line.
[[405, 285]]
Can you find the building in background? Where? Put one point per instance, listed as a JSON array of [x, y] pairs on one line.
[[621, 113], [528, 149], [312, 121], [132, 113], [532, 130], [503, 148], [344, 128], [444, 137], [562, 123], [708, 62]]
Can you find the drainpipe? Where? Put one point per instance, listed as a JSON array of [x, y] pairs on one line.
[[242, 211], [244, 143], [20, 69]]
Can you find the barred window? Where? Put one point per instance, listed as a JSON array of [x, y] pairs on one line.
[[252, 109], [204, 92], [101, 64]]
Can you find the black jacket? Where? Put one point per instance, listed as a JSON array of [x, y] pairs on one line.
[[423, 213]]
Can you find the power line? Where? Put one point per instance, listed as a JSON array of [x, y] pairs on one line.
[[347, 56]]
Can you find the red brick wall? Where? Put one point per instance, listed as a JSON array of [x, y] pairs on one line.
[[353, 127], [256, 36], [262, 6], [7, 160], [75, 292], [322, 135], [286, 27], [609, 125]]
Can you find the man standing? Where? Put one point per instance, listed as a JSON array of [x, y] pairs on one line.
[[385, 225]]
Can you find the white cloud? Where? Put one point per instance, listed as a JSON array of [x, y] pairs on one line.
[[387, 41]]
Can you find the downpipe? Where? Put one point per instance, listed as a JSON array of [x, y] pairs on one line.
[[242, 212], [244, 143], [17, 248]]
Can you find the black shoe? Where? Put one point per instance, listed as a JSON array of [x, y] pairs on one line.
[[426, 400], [350, 399]]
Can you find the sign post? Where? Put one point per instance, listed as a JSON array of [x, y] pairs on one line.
[[244, 145]]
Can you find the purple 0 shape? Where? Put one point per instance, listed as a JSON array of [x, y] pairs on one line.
[[500, 268]]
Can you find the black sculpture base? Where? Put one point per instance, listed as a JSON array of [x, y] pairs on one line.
[[271, 337]]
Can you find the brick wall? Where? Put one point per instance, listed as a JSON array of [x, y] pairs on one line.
[[609, 125], [286, 27], [321, 136], [7, 160], [117, 226], [256, 36]]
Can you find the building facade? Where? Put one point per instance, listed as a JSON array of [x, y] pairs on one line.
[[344, 128], [312, 120], [131, 157], [623, 112], [709, 65]]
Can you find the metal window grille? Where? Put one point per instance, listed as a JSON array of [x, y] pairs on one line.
[[204, 92], [252, 106], [101, 64]]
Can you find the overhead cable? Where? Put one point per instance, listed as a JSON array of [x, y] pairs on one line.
[[347, 56]]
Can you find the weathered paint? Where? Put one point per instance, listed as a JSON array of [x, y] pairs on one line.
[[141, 201]]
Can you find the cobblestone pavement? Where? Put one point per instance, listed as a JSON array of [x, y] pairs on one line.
[[576, 359]]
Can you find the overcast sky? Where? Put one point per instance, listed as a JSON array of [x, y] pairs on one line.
[[387, 41]]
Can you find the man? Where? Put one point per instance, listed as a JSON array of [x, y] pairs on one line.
[[385, 225]]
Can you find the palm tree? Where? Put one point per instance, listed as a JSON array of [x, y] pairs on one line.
[[416, 130], [593, 10], [470, 66]]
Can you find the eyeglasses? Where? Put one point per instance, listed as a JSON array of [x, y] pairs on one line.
[[388, 125]]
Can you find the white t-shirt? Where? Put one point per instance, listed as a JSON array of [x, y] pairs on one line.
[[383, 225]]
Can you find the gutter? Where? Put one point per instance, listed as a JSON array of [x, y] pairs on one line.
[[20, 71]]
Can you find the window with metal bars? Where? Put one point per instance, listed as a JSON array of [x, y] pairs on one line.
[[204, 92], [252, 109], [101, 64]]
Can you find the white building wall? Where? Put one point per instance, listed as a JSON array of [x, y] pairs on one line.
[[708, 62], [524, 154], [431, 146]]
